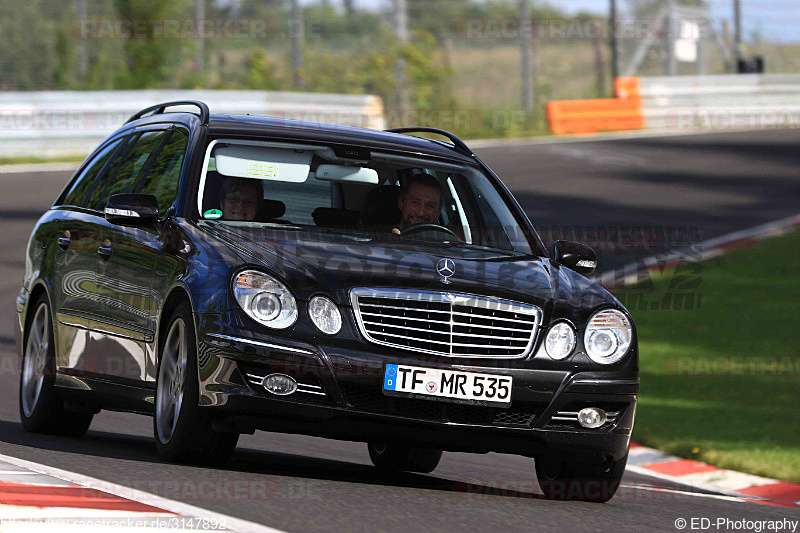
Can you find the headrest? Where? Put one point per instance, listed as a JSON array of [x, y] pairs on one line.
[[270, 209], [330, 216], [380, 206]]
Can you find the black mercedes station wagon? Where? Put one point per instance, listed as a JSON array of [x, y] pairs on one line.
[[225, 274]]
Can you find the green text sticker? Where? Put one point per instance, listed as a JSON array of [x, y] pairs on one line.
[[212, 214]]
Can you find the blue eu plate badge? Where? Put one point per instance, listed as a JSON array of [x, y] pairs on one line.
[[390, 377]]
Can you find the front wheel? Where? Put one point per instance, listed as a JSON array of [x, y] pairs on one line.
[[564, 478], [41, 410], [183, 432], [396, 457]]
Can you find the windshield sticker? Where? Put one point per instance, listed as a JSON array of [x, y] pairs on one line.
[[212, 214], [261, 170]]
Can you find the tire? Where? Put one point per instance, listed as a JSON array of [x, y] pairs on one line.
[[182, 431], [398, 458], [41, 410], [565, 479]]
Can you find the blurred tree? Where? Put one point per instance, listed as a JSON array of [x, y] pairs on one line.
[[149, 55], [29, 45]]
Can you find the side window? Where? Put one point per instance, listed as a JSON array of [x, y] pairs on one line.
[[165, 172], [127, 169], [83, 184]]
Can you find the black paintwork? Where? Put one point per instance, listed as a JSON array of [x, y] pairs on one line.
[[110, 284]]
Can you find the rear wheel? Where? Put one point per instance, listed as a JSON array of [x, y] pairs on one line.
[[183, 432], [563, 478], [396, 457], [41, 410]]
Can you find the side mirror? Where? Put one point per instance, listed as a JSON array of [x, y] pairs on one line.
[[578, 257], [132, 209]]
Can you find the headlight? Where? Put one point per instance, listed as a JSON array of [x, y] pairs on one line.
[[325, 315], [560, 341], [265, 299], [608, 336]]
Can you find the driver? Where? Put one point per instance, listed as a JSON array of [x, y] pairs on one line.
[[240, 198], [420, 201]]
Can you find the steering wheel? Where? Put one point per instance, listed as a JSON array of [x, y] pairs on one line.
[[429, 226]]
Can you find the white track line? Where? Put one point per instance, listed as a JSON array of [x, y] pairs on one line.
[[122, 491], [725, 497], [733, 496]]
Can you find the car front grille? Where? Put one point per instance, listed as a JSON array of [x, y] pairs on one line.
[[444, 323]]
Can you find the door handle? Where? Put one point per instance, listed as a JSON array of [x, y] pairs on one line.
[[64, 242], [104, 251]]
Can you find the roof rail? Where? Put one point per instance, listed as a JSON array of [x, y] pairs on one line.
[[159, 108], [459, 145]]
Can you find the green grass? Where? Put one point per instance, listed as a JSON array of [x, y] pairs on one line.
[[721, 381], [30, 159]]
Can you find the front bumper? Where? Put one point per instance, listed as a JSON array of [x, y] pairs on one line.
[[341, 397]]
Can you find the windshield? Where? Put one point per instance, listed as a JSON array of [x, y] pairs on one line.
[[351, 190]]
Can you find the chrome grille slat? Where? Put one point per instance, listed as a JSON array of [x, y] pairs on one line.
[[525, 341], [400, 326], [409, 338], [408, 318], [406, 308], [482, 326], [492, 317], [475, 326]]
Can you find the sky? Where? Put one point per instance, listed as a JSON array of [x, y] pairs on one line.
[[774, 20]]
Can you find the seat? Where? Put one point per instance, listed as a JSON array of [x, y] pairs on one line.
[[333, 217], [270, 210], [380, 206]]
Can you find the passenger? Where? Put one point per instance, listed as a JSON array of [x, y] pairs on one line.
[[420, 201], [240, 199]]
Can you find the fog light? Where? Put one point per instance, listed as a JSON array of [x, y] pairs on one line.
[[592, 417], [279, 384]]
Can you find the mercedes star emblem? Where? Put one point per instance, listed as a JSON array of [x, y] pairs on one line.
[[446, 268]]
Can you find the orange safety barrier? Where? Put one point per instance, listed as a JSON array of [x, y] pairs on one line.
[[589, 116]]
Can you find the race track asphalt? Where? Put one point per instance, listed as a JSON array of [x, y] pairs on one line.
[[709, 184]]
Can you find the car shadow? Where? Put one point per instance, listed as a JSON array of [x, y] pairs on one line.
[[248, 462]]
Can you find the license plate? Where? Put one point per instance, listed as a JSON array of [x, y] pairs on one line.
[[446, 384]]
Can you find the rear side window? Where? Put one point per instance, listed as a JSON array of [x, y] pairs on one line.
[[128, 166], [80, 190], [164, 175]]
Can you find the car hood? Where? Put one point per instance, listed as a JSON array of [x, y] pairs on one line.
[[322, 262]]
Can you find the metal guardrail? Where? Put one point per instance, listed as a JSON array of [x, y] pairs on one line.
[[57, 123], [729, 101]]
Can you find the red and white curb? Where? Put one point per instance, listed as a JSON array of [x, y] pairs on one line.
[[635, 272], [36, 497], [650, 462]]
